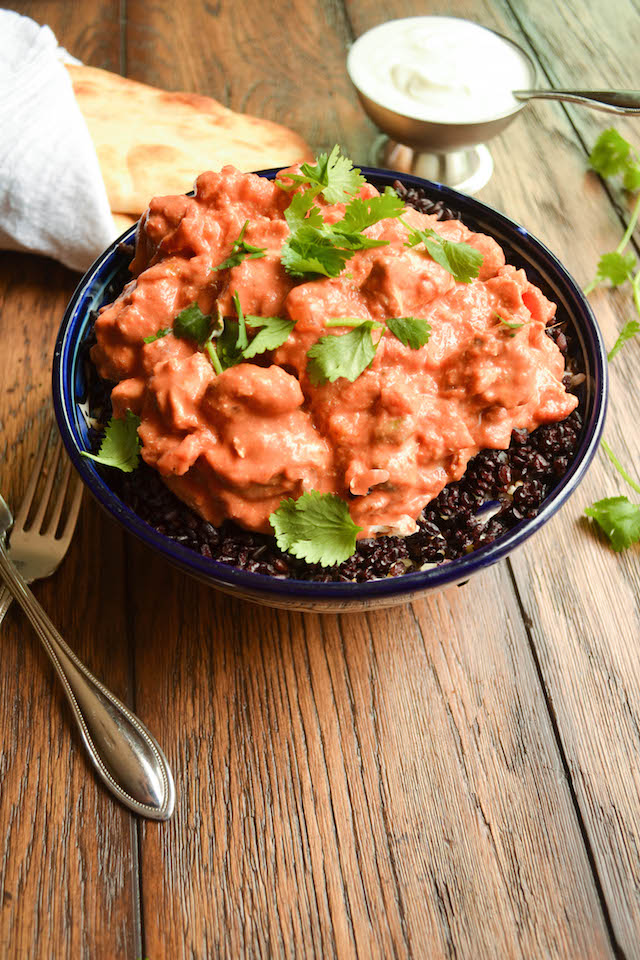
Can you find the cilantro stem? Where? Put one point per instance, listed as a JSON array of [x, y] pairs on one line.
[[630, 227], [240, 236], [623, 473], [213, 357], [635, 284], [243, 341]]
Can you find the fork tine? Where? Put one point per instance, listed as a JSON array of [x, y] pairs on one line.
[[46, 496], [23, 512], [52, 526], [74, 509]]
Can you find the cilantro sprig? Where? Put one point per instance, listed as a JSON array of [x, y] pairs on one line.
[[225, 340], [617, 266], [630, 329], [316, 527], [332, 175], [233, 345], [617, 516], [120, 447], [349, 354], [461, 260], [241, 250], [611, 156], [316, 247]]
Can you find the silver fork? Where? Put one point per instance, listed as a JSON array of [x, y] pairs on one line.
[[38, 552], [124, 753]]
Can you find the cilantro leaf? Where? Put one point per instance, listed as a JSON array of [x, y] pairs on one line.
[[316, 527], [616, 267], [352, 242], [610, 153], [461, 260], [414, 332], [241, 250], [121, 444], [342, 355], [332, 175], [309, 250], [272, 334], [630, 329], [302, 211], [360, 214], [314, 247], [631, 179], [322, 251], [192, 324], [157, 335], [619, 519]]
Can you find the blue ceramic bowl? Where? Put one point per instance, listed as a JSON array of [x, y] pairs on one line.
[[542, 267]]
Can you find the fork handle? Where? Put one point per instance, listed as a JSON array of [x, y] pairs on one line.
[[5, 600], [124, 753]]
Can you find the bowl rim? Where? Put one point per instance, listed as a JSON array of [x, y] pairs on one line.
[[448, 572]]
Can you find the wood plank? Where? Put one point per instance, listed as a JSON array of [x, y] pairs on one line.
[[67, 878], [591, 671], [90, 32], [366, 786], [68, 881], [348, 786], [285, 64], [581, 599]]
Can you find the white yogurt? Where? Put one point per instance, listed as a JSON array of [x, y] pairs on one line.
[[439, 68]]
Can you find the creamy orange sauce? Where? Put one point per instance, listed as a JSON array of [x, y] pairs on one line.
[[234, 445]]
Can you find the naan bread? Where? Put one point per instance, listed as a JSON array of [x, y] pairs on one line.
[[151, 143]]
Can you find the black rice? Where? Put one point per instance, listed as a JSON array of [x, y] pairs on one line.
[[499, 490]]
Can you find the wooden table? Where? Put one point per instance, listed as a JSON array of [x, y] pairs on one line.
[[456, 778]]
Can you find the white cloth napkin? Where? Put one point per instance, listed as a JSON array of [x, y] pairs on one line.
[[52, 196]]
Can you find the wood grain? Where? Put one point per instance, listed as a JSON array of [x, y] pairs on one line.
[[285, 63], [67, 880], [580, 598], [357, 786], [591, 669], [433, 781], [331, 818], [68, 856]]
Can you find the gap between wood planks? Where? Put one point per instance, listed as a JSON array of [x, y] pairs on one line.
[[136, 839], [623, 215], [138, 908], [139, 939], [528, 623]]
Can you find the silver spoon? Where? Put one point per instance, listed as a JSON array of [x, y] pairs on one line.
[[611, 101], [124, 753]]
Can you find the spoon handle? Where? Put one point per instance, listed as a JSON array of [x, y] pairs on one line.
[[611, 101], [124, 753]]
